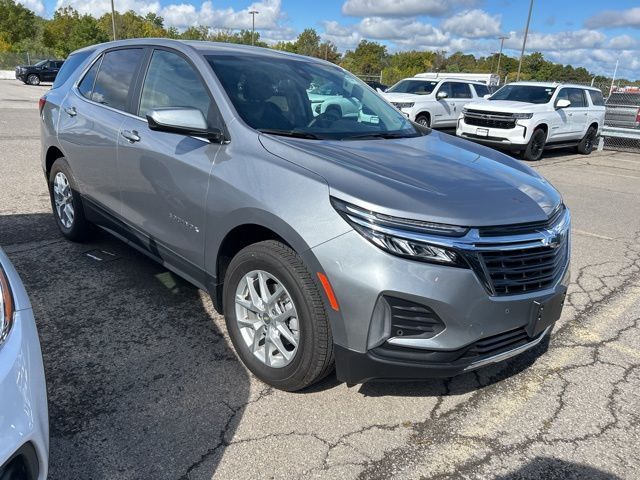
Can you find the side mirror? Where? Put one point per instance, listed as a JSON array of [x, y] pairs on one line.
[[183, 120], [379, 90], [563, 103], [487, 95], [441, 94]]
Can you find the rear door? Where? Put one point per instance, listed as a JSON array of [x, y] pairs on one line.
[[460, 96], [164, 177], [90, 120], [578, 112]]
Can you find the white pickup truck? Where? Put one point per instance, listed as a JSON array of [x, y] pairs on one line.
[[434, 102], [532, 116]]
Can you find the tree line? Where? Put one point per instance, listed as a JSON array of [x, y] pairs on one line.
[[21, 30]]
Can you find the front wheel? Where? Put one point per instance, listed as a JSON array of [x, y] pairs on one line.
[[276, 318], [588, 142], [33, 79], [423, 120], [535, 147]]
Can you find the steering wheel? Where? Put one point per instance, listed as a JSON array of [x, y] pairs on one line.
[[325, 119]]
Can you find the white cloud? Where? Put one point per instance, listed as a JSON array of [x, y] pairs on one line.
[[37, 6], [344, 37], [402, 8], [622, 42], [100, 7], [615, 18], [569, 40], [473, 24], [399, 29]]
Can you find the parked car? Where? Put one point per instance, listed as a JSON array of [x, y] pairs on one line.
[[24, 422], [533, 116], [392, 249], [623, 110], [44, 71], [434, 102], [376, 85]]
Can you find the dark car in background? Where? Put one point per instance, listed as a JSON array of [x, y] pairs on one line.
[[623, 110], [376, 85], [43, 71]]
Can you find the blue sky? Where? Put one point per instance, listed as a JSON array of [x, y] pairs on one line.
[[585, 33]]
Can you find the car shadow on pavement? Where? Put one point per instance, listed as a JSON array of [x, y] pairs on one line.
[[555, 469], [141, 380], [461, 384]]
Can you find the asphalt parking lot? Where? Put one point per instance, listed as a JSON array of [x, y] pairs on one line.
[[142, 381]]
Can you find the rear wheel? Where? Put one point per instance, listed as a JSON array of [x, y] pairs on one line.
[[588, 142], [424, 120], [33, 79], [66, 202], [275, 317], [535, 147]]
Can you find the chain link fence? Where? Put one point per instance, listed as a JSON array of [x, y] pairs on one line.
[[9, 60], [622, 118]]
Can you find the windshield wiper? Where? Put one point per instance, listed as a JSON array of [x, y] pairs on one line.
[[289, 133], [386, 135]]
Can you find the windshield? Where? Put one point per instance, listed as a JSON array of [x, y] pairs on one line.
[[417, 87], [524, 93], [306, 99], [41, 63]]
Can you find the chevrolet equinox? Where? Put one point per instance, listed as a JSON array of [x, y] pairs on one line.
[[327, 228]]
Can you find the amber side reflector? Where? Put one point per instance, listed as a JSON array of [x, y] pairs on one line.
[[328, 290]]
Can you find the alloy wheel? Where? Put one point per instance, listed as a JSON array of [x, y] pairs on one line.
[[267, 318], [63, 199]]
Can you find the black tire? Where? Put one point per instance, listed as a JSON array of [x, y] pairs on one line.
[[313, 359], [79, 229], [535, 147], [424, 120], [33, 79], [587, 144]]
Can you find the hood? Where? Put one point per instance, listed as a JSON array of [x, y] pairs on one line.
[[504, 106], [403, 97], [436, 177]]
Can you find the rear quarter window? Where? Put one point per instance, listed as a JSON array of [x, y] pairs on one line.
[[596, 97], [69, 66]]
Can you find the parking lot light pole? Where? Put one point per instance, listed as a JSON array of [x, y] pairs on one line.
[[253, 24], [524, 40], [502, 38], [113, 20]]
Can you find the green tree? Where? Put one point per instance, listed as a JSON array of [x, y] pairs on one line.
[[17, 23], [68, 30], [369, 58], [407, 64]]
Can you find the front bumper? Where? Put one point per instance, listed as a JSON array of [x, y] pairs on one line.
[[476, 328], [505, 138], [24, 423]]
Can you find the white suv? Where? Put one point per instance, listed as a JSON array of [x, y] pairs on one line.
[[532, 116], [434, 103]]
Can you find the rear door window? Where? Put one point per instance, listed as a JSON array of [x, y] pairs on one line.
[[576, 97], [481, 90], [596, 97], [116, 76], [460, 90]]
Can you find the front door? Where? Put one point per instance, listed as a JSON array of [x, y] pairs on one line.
[[164, 177], [444, 110]]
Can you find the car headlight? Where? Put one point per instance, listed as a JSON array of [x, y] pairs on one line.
[[403, 237], [6, 307], [522, 116], [402, 105]]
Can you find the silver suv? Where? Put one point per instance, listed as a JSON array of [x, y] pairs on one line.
[[326, 236]]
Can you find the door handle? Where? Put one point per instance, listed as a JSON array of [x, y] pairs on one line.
[[131, 135], [71, 111]]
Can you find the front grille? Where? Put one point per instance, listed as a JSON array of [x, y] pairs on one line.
[[496, 344], [409, 318], [522, 228], [524, 270], [481, 118], [489, 122]]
